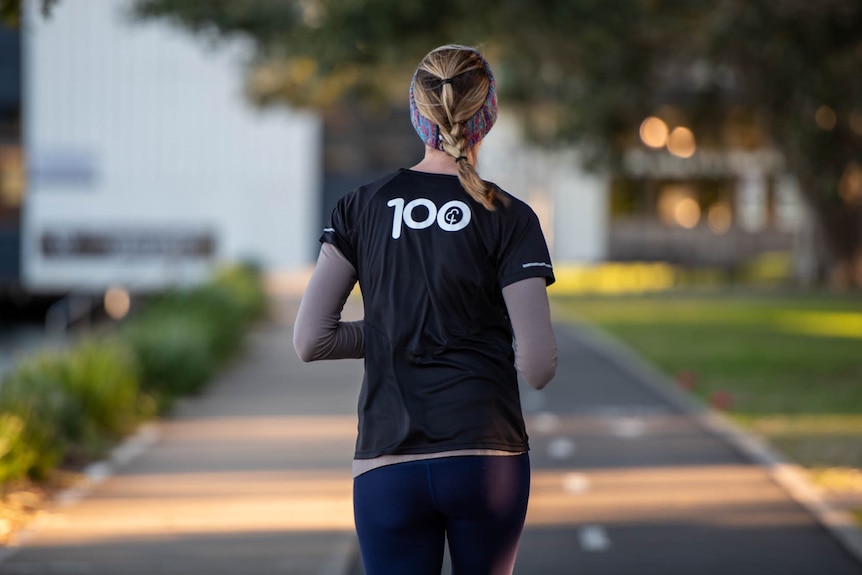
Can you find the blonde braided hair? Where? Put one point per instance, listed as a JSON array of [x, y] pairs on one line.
[[451, 86]]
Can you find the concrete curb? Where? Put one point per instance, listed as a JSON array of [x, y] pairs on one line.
[[93, 475], [787, 475]]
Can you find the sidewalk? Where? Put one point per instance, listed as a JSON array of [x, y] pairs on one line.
[[253, 477], [629, 478]]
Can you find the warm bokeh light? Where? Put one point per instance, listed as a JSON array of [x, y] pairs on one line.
[[654, 132], [825, 118], [686, 213], [677, 206], [850, 186], [117, 302], [681, 142], [719, 219], [856, 122], [12, 176]]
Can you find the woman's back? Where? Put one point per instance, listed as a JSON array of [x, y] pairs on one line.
[[431, 264]]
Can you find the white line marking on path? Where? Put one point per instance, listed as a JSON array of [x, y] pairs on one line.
[[98, 472], [129, 450], [594, 538], [561, 447], [545, 422], [576, 483], [628, 427]]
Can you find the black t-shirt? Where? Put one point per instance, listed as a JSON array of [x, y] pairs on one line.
[[431, 264]]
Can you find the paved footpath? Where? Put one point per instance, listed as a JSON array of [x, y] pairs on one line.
[[626, 480], [253, 477]]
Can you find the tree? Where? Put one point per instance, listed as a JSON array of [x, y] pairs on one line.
[[10, 11], [784, 73], [799, 68]]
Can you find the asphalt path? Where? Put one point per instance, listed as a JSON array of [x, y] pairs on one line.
[[253, 477], [628, 480]]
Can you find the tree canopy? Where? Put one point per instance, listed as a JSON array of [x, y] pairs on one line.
[[10, 11], [784, 74]]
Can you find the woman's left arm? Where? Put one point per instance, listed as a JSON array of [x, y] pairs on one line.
[[535, 343], [319, 332]]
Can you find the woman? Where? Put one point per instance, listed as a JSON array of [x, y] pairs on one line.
[[451, 268]]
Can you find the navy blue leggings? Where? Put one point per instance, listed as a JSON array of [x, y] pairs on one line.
[[404, 511]]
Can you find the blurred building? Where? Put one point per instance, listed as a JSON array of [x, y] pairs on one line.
[[712, 208], [718, 208], [570, 202], [146, 165]]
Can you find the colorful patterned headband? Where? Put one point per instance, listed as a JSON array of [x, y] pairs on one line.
[[476, 128]]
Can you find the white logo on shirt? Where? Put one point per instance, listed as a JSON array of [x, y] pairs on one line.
[[451, 217]]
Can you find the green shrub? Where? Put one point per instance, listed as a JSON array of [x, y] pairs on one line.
[[32, 396], [73, 403], [102, 376], [219, 312], [246, 284], [183, 336], [173, 353], [26, 447], [54, 405], [16, 454]]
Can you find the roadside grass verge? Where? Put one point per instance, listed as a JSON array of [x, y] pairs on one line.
[[787, 366]]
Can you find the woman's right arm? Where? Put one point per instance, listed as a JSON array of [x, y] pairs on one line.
[[319, 332], [535, 343]]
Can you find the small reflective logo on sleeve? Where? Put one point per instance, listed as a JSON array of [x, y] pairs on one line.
[[537, 265]]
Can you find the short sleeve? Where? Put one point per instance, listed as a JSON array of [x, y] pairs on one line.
[[523, 251], [339, 229]]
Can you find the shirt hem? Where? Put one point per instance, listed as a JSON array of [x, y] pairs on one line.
[[441, 448], [362, 466]]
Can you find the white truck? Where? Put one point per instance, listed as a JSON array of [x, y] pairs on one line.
[[145, 163]]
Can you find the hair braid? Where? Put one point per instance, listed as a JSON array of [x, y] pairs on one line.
[[451, 87]]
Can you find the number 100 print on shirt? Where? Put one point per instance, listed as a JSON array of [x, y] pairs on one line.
[[452, 216]]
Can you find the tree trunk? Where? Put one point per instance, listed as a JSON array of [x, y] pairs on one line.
[[840, 225]]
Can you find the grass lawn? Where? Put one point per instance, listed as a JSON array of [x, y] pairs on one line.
[[792, 363]]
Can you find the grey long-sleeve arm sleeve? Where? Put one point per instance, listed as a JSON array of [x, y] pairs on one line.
[[535, 343], [319, 332]]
